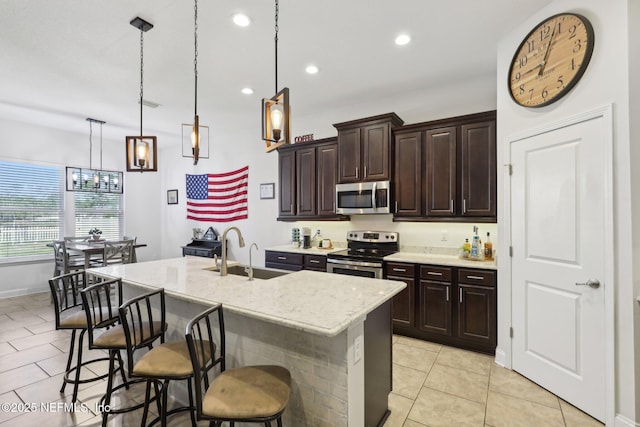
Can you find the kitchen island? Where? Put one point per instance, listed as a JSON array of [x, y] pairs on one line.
[[333, 332]]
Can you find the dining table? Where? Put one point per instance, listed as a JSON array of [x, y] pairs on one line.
[[93, 250]]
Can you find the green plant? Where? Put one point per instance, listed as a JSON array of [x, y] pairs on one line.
[[95, 231]]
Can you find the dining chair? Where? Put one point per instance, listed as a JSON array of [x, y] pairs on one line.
[[63, 263], [134, 238], [69, 315], [256, 394], [117, 252]]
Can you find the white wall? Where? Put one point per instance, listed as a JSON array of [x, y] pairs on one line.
[[33, 143], [606, 81]]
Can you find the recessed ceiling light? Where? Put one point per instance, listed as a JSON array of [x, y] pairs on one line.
[[241, 20], [311, 69], [247, 90], [403, 39]]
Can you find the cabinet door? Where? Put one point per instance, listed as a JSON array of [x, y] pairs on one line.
[[376, 152], [287, 172], [404, 302], [327, 179], [435, 307], [441, 171], [476, 313], [408, 174], [306, 181], [479, 169], [349, 160]]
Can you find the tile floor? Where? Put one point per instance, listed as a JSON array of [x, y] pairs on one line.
[[433, 385]]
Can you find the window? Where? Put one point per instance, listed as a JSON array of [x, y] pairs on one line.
[[31, 209], [99, 210]]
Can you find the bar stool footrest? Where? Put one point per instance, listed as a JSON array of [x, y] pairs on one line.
[[125, 409], [87, 380], [171, 412]]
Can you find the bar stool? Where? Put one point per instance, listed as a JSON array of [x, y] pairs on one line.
[[256, 394], [65, 293], [99, 301], [165, 362]]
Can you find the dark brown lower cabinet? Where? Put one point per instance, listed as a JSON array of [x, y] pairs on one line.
[[453, 305], [295, 261]]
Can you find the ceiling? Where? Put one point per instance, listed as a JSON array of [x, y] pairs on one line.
[[66, 60]]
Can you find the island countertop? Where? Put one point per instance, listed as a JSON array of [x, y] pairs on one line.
[[320, 303]]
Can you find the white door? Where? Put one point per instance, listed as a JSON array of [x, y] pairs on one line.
[[558, 189]]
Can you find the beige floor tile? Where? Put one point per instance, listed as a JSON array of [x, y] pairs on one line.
[[411, 423], [399, 407], [20, 377], [26, 317], [35, 340], [57, 364], [413, 357], [458, 382], [6, 348], [33, 354], [47, 390], [435, 408], [425, 345], [467, 360], [573, 417], [12, 399], [407, 382], [39, 328], [505, 410], [512, 383], [54, 414], [14, 332]]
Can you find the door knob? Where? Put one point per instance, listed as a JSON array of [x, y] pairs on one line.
[[591, 283]]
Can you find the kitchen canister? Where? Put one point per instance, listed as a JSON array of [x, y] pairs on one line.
[[295, 237]]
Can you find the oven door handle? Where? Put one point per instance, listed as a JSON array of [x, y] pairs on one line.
[[355, 263]]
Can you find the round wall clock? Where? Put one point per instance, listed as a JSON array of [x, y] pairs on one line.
[[550, 60]]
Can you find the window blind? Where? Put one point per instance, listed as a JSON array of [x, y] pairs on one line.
[[99, 210], [31, 209]]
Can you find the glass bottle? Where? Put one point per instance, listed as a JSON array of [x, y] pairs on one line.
[[316, 241], [488, 248]]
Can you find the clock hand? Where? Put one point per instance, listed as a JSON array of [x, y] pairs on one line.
[[546, 54]]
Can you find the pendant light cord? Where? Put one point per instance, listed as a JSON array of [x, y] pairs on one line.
[[141, 75], [90, 144], [276, 44], [101, 145], [195, 57]]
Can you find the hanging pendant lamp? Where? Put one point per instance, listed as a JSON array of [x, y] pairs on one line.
[[142, 151], [276, 112], [195, 138], [94, 180]]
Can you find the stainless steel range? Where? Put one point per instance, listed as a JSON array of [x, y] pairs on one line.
[[364, 253]]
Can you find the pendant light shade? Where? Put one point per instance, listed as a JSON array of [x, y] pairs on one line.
[[276, 112], [94, 180], [142, 151]]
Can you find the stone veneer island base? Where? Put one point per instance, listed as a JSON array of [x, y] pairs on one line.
[[332, 332]]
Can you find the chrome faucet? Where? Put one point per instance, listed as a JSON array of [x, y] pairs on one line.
[[250, 271], [223, 263]]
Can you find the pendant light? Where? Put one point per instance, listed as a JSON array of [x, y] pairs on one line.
[[276, 112], [94, 180], [198, 136], [142, 151]]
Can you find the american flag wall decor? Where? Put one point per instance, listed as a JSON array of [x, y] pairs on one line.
[[218, 197]]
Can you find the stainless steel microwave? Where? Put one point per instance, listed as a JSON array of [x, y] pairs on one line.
[[363, 198]]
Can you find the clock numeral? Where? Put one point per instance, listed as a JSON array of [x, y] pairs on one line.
[[577, 45], [560, 81], [531, 45], [521, 89], [517, 76], [522, 61], [544, 93], [572, 31], [530, 94], [545, 32], [573, 64]]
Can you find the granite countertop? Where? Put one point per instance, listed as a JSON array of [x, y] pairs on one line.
[[319, 303], [439, 259], [309, 251]]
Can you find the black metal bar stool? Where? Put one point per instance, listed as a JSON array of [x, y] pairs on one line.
[[65, 293], [100, 300], [256, 394], [165, 362]]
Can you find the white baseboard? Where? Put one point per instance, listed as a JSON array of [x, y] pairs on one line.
[[501, 357], [622, 421]]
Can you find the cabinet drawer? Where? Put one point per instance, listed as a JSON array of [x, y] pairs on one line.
[[477, 277], [315, 262], [283, 258], [438, 274], [400, 269]]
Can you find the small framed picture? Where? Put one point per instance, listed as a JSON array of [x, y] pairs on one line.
[[267, 191], [172, 197]]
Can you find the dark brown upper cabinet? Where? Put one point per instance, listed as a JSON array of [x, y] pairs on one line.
[[364, 148], [445, 170]]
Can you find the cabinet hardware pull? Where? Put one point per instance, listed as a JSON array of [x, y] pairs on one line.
[[464, 206], [357, 176], [460, 294], [365, 171], [314, 261], [434, 273], [451, 206], [282, 257], [396, 206], [447, 288], [402, 270], [291, 207], [475, 277]]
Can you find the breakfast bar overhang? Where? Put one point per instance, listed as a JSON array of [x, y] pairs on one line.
[[332, 332]]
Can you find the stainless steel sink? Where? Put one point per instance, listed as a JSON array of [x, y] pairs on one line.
[[258, 273]]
